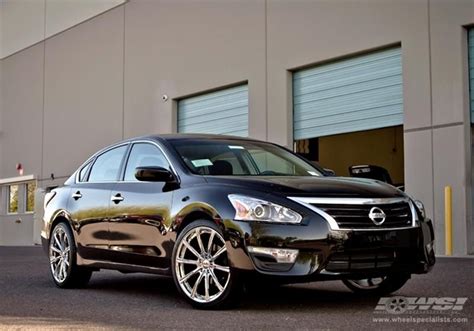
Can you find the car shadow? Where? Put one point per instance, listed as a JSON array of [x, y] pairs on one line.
[[136, 283], [308, 296]]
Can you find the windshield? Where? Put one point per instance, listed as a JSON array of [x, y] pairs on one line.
[[241, 158]]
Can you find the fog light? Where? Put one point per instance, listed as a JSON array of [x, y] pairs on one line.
[[279, 254]]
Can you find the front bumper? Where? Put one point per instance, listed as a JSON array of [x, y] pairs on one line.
[[330, 254]]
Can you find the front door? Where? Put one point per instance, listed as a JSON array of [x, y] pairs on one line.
[[139, 213]]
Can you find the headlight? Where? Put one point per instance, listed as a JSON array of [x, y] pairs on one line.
[[252, 209], [421, 208]]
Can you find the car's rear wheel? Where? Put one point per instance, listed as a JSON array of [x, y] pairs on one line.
[[377, 285], [201, 269], [62, 259]]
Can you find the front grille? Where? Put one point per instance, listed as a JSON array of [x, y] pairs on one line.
[[360, 261], [349, 216]]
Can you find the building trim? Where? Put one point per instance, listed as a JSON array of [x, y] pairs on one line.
[[434, 127], [17, 179], [44, 39]]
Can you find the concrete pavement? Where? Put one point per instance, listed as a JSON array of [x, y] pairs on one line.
[[29, 300]]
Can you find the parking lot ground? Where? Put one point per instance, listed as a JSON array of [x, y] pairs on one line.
[[29, 300]]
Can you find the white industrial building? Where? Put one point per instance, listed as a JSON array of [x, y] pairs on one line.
[[344, 82]]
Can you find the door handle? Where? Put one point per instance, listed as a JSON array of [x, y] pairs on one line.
[[117, 198], [77, 195]]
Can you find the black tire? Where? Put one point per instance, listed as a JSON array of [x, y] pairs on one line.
[[73, 276], [388, 285], [231, 290]]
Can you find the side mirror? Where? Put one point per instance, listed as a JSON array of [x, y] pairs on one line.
[[154, 174], [329, 172]]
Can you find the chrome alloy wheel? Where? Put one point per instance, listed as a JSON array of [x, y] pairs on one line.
[[201, 265], [367, 283], [59, 254]]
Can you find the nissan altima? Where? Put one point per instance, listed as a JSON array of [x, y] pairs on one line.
[[218, 212]]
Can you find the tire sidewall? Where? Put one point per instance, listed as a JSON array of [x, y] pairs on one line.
[[392, 283]]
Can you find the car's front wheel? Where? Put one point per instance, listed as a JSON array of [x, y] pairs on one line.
[[201, 269], [377, 285], [62, 259]]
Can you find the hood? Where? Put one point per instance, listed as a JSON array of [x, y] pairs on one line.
[[312, 186]]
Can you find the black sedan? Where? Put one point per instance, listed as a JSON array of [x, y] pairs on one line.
[[219, 212]]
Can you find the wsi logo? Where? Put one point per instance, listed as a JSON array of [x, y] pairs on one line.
[[400, 305]]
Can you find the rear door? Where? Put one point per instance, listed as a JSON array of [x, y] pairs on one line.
[[139, 214], [90, 199]]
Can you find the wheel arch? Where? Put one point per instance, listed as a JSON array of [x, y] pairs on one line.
[[60, 216], [195, 213]]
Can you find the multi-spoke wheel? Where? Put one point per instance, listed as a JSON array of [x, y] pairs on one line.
[[62, 259], [59, 254], [201, 268], [377, 285]]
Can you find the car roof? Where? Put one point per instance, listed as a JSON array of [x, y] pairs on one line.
[[171, 137], [190, 136]]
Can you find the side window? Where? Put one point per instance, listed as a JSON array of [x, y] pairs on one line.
[[142, 155], [13, 199], [83, 172], [17, 198], [107, 166], [30, 197]]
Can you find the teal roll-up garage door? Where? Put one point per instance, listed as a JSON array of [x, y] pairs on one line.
[[360, 93], [471, 70], [221, 112]]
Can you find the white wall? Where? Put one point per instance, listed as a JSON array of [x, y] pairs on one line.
[[104, 79], [62, 14], [1, 113], [22, 128], [451, 117], [83, 92], [22, 24], [27, 22], [179, 48]]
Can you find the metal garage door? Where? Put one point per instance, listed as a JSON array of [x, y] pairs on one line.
[[360, 93], [471, 70], [221, 112]]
